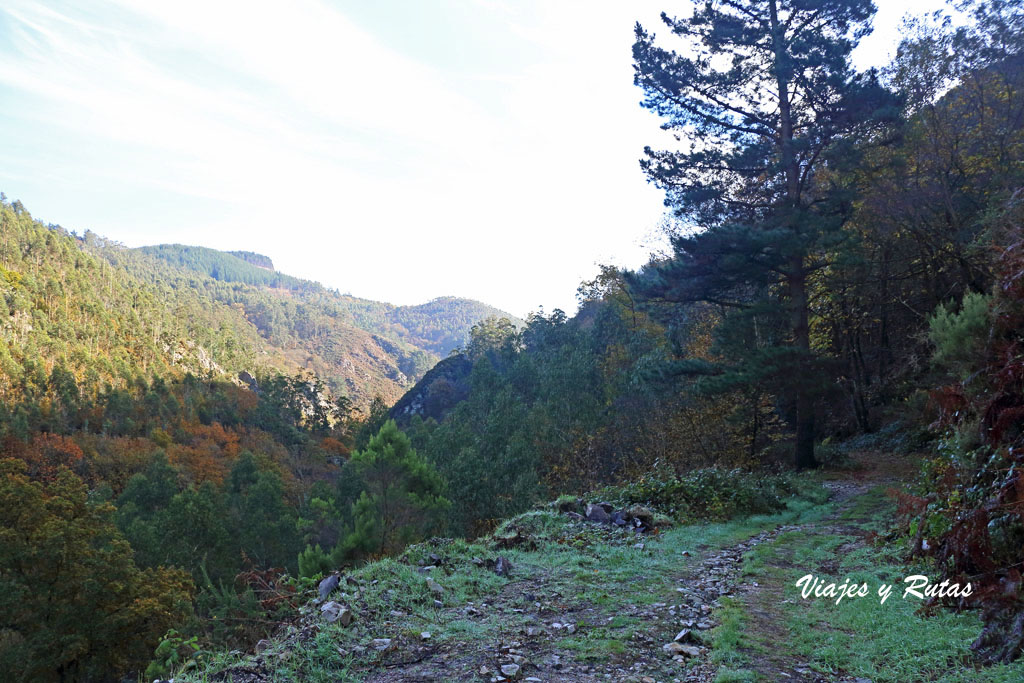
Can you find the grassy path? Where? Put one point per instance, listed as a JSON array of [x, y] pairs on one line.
[[770, 633], [592, 603]]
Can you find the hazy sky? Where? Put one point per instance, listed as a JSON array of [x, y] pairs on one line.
[[395, 149]]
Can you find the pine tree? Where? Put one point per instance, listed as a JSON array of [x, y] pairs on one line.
[[768, 109], [401, 499]]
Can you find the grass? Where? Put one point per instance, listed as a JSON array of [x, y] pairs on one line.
[[575, 573], [860, 637], [601, 582]]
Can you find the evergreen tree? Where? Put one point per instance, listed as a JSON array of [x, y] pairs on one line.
[[768, 109], [401, 498], [375, 420]]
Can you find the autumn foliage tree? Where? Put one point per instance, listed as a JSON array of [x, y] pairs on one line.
[[73, 605]]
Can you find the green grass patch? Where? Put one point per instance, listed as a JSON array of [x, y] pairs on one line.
[[858, 637], [592, 576]]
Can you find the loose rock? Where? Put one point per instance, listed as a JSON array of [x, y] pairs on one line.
[[683, 636], [334, 611], [328, 585], [596, 513], [673, 649], [510, 670]]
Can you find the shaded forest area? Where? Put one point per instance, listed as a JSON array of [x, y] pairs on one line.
[[846, 263]]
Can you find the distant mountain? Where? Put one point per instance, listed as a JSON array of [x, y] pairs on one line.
[[443, 324], [108, 315], [438, 326]]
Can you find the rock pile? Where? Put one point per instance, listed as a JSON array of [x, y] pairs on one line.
[[636, 517]]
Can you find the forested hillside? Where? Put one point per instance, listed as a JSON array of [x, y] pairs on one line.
[[840, 315], [437, 327], [72, 311], [158, 422], [77, 299]]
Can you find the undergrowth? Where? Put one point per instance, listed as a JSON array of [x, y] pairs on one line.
[[713, 494]]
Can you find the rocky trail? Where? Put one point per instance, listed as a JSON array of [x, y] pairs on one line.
[[674, 640], [531, 653], [617, 605]]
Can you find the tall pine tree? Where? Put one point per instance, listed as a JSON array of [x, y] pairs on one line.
[[767, 110]]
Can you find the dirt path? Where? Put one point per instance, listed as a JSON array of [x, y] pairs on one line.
[[542, 611], [761, 602]]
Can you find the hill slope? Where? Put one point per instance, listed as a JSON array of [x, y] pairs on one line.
[[438, 326], [109, 314], [360, 347]]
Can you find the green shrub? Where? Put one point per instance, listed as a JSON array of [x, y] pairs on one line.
[[313, 561], [958, 337], [711, 493], [900, 436]]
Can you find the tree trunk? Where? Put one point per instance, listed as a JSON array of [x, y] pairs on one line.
[[804, 446], [797, 276]]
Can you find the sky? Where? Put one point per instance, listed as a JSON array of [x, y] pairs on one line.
[[397, 150]]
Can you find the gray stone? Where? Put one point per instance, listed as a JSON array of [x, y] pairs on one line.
[[328, 585], [380, 644], [435, 587], [674, 649], [510, 670], [596, 513], [334, 611]]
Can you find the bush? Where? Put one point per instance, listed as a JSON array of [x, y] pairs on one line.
[[958, 335], [710, 494], [900, 436]]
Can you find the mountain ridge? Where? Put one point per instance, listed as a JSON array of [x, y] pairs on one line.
[[378, 317], [88, 304]]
